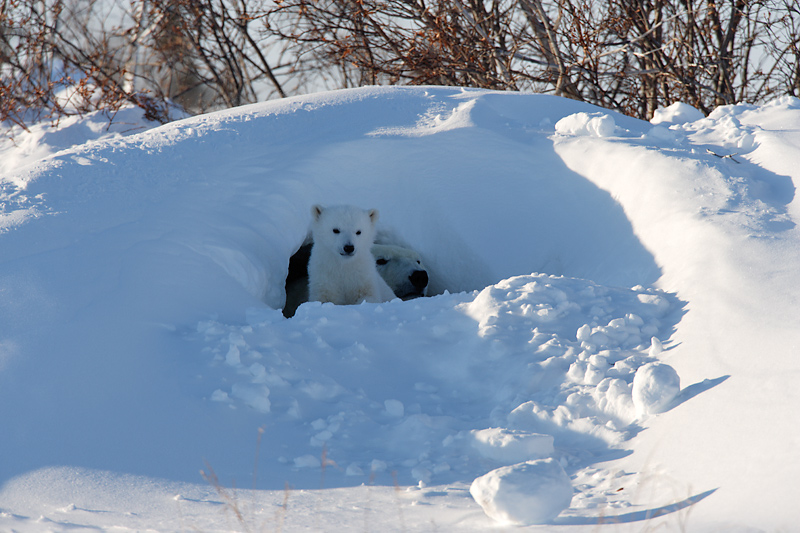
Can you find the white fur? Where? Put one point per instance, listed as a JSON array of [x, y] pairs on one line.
[[341, 268], [402, 269]]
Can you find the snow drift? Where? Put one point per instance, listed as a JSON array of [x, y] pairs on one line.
[[572, 252]]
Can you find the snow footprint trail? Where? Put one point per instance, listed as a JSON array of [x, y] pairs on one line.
[[445, 389]]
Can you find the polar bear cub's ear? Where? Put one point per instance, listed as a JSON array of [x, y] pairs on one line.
[[316, 211], [373, 215]]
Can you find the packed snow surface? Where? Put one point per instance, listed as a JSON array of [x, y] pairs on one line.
[[610, 341]]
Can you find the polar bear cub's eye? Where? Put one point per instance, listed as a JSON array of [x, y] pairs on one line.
[[382, 261], [358, 232], [336, 230]]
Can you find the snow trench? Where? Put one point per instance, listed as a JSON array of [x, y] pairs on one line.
[[540, 341]]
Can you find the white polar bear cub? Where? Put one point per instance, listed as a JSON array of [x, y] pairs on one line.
[[341, 268]]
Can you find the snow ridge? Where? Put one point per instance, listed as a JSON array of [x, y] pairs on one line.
[[142, 276]]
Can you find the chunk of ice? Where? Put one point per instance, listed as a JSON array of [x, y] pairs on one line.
[[533, 492], [655, 386]]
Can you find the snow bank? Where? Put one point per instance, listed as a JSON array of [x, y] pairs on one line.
[[571, 344], [142, 280], [22, 147], [716, 204]]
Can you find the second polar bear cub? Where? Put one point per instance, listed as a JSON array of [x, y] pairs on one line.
[[341, 268]]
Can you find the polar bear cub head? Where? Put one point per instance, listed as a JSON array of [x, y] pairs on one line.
[[344, 230]]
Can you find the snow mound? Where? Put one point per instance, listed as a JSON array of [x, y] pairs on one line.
[[533, 492], [655, 386], [149, 270], [587, 124], [537, 366], [677, 113]]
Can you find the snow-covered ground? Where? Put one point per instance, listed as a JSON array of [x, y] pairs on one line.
[[615, 315]]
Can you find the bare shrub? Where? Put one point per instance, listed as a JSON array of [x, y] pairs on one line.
[[66, 57], [53, 63], [629, 55]]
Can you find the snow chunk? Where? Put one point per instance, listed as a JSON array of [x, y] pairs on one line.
[[252, 394], [677, 113], [655, 386], [655, 347], [585, 373], [584, 332], [511, 446], [533, 492], [587, 125], [613, 395]]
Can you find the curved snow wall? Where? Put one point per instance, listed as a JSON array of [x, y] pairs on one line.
[[468, 178]]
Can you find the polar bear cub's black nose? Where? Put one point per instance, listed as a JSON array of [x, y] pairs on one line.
[[419, 279], [349, 249]]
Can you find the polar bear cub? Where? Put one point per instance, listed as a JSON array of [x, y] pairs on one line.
[[341, 268]]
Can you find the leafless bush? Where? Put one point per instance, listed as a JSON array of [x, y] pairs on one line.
[[356, 42], [630, 55], [53, 64], [64, 57], [701, 52], [214, 48]]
